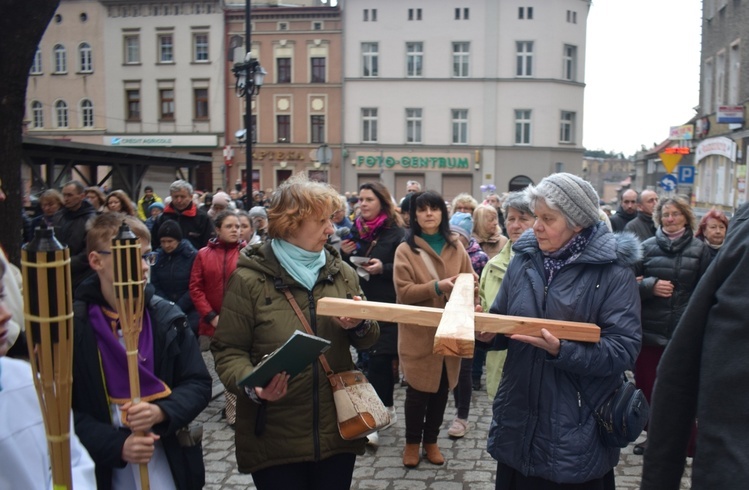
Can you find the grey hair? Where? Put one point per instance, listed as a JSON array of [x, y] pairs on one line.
[[517, 200], [181, 185], [534, 193]]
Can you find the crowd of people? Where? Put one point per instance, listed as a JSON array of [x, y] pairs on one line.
[[228, 273]]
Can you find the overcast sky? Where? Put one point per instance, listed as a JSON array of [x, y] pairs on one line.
[[641, 72]]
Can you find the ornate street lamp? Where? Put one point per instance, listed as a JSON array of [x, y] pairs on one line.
[[250, 76]]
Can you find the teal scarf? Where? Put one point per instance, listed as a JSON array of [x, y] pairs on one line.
[[304, 266]]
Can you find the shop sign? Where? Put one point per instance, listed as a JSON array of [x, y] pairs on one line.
[[414, 161], [716, 146], [730, 114], [684, 132], [163, 140], [279, 155]]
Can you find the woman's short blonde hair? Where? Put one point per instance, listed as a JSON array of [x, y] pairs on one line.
[[680, 203], [51, 195], [464, 199], [481, 215], [296, 201]]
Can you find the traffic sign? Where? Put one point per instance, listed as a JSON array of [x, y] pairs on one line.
[[670, 160], [668, 182], [686, 174]]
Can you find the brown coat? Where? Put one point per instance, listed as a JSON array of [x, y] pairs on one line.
[[414, 285]]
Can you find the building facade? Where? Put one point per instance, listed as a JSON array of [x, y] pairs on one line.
[[721, 135], [461, 94], [65, 96], [165, 81], [298, 109]]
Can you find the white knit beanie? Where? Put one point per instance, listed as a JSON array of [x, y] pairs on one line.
[[574, 197]]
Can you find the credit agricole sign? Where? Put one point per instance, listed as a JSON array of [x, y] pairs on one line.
[[413, 161]]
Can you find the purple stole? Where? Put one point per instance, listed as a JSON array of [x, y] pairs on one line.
[[105, 324]]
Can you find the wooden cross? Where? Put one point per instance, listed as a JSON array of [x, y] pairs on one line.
[[457, 323]]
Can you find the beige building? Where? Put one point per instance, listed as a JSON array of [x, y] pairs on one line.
[[165, 82], [65, 97], [298, 108]]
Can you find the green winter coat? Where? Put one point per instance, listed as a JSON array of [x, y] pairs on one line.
[[255, 320], [491, 280]]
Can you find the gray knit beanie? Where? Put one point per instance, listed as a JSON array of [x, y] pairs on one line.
[[573, 196]]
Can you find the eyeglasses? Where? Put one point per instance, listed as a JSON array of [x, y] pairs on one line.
[[674, 215], [149, 257]]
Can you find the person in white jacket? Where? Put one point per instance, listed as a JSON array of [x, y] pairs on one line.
[[24, 454]]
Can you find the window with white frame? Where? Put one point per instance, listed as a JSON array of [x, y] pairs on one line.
[[734, 73], [132, 107], [369, 125], [524, 58], [370, 15], [567, 127], [413, 126], [461, 59], [200, 104], [61, 114], [317, 26], [200, 47], [166, 48], [318, 69], [85, 58], [414, 59], [720, 79], [525, 13], [166, 101], [414, 14], [460, 126], [60, 58], [37, 115], [572, 17], [283, 70], [132, 49], [569, 59], [87, 114], [36, 65], [370, 59], [283, 128], [522, 126], [463, 11], [317, 128], [707, 87]]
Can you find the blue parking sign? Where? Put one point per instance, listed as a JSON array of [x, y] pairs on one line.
[[686, 174]]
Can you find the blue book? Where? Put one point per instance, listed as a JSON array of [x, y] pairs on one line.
[[293, 356]]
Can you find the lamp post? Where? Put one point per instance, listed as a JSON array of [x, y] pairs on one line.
[[250, 76]]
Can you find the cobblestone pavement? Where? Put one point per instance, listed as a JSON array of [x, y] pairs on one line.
[[468, 464]]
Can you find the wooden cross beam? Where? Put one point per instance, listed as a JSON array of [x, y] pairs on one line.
[[483, 322]]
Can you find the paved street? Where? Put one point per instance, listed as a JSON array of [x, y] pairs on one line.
[[468, 465]]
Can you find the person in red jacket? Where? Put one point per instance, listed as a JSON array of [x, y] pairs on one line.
[[211, 270], [210, 274]]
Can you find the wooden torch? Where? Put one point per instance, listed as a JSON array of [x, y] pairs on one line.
[[129, 288], [48, 311]]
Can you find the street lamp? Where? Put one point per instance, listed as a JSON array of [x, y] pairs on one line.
[[250, 76]]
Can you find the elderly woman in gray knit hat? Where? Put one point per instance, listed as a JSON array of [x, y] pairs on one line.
[[569, 266]]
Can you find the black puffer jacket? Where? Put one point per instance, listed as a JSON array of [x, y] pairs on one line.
[[682, 261], [177, 362], [380, 287]]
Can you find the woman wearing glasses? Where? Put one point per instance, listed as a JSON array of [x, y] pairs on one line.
[[672, 264]]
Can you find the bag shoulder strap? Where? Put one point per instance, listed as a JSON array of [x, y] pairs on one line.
[[429, 263], [298, 311]]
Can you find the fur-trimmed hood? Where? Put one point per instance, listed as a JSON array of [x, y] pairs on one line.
[[604, 246]]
